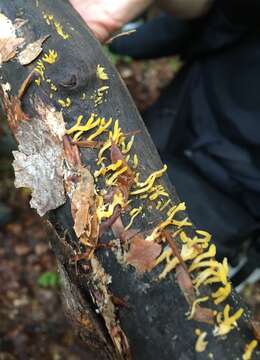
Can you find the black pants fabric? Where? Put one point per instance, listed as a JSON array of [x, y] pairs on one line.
[[209, 207]]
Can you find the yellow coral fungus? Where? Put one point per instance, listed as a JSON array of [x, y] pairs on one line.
[[74, 128], [208, 254], [101, 73], [149, 182], [60, 31], [187, 253], [80, 129], [38, 81], [202, 242], [164, 206], [105, 211], [158, 205], [156, 191], [216, 272], [58, 27], [135, 161], [112, 179], [194, 304], [40, 69], [127, 147], [103, 126], [221, 294], [111, 167], [65, 103], [249, 350], [226, 323], [51, 57], [169, 221], [201, 344], [133, 213]]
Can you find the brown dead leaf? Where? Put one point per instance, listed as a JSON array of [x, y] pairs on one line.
[[32, 51], [38, 164], [142, 254], [8, 40], [8, 48], [204, 315]]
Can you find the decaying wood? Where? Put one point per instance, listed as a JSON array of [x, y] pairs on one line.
[[95, 267]]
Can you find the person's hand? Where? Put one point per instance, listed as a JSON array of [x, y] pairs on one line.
[[106, 16]]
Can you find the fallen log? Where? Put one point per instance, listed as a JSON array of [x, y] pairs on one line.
[[133, 268]]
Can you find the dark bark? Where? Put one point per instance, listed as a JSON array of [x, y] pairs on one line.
[[154, 321]]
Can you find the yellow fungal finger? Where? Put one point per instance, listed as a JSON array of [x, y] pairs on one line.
[[249, 348], [133, 213]]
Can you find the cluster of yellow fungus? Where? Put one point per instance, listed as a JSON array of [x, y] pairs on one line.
[[249, 350], [65, 103], [201, 344], [105, 211], [93, 122], [50, 57], [226, 323], [196, 250], [101, 72], [134, 213], [99, 95], [57, 26]]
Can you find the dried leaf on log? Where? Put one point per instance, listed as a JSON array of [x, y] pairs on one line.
[[32, 51], [8, 40], [142, 253], [38, 164]]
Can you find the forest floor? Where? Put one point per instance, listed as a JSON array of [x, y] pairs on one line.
[[32, 323]]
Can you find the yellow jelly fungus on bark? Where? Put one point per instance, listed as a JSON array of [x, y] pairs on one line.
[[249, 348], [133, 213], [145, 186], [221, 294], [201, 344], [104, 170], [101, 73], [65, 103], [51, 57], [194, 304], [227, 322]]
